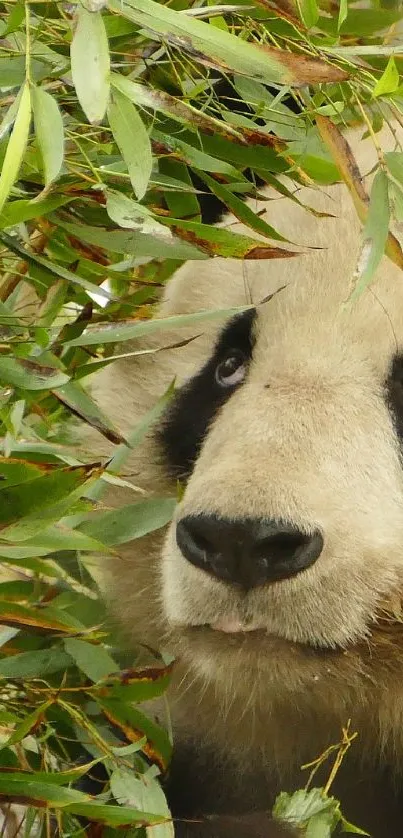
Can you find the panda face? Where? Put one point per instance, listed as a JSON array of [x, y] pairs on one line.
[[291, 525]]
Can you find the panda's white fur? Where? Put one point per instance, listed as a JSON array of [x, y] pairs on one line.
[[308, 438]]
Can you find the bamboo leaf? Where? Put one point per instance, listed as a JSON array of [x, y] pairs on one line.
[[52, 267], [90, 63], [93, 660], [119, 332], [29, 375], [133, 141], [46, 619], [224, 51], [158, 100], [139, 244], [118, 526], [17, 212], [389, 81], [81, 404], [16, 145], [344, 159], [37, 664], [49, 132], [394, 162], [309, 12], [343, 12], [375, 233]]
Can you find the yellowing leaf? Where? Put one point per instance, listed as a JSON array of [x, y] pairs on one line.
[[49, 132], [389, 81], [90, 64], [16, 145], [133, 141]]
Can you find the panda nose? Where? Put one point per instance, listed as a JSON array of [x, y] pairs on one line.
[[247, 552]]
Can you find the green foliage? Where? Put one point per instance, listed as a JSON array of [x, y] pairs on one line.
[[107, 112]]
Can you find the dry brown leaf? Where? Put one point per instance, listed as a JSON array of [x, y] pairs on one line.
[[305, 70]]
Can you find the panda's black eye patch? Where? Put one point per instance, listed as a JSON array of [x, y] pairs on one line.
[[195, 405]]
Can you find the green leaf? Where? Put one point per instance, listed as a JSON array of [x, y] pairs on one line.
[[394, 162], [16, 145], [49, 132], [90, 63], [343, 12], [131, 215], [217, 241], [81, 404], [309, 12], [389, 81], [14, 472], [30, 376], [141, 791], [94, 661], [220, 48], [46, 619], [52, 267], [119, 332], [140, 245], [299, 807], [181, 204], [39, 792], [30, 722], [159, 100], [134, 725], [194, 156], [17, 502], [17, 212], [241, 210], [37, 664], [117, 526], [374, 235], [132, 140], [396, 200], [15, 18]]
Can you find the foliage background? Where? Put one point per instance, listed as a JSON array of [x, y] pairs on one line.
[[112, 131]]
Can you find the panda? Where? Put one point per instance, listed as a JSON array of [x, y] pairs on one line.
[[278, 584]]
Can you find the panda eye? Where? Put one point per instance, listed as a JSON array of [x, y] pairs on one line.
[[232, 370]]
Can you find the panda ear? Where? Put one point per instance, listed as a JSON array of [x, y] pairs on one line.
[[394, 393]]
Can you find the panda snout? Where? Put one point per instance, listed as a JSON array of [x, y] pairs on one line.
[[247, 552]]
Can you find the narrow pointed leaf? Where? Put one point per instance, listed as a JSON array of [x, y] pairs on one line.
[[389, 81], [90, 64], [37, 664], [222, 50], [81, 404], [375, 233], [16, 145], [309, 12], [132, 140], [118, 526], [49, 132], [94, 661], [30, 376], [40, 619], [128, 330]]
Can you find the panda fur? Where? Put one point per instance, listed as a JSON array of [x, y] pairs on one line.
[[312, 437]]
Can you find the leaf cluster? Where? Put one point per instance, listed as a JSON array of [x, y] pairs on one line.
[[113, 132]]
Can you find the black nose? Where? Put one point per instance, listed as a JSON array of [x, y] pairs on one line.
[[247, 552]]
